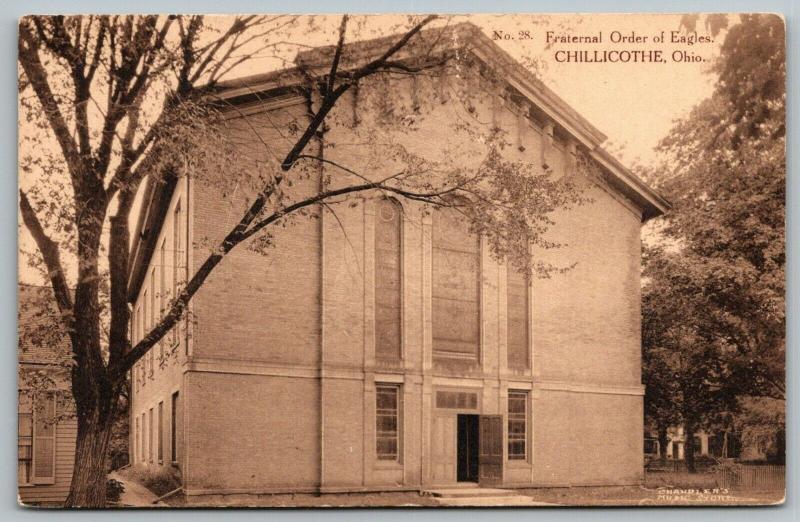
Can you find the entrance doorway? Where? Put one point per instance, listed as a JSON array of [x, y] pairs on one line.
[[468, 448]]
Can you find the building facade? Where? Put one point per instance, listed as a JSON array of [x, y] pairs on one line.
[[383, 347]]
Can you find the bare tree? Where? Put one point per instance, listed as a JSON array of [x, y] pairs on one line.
[[117, 96]]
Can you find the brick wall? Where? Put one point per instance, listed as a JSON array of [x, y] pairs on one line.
[[282, 347]]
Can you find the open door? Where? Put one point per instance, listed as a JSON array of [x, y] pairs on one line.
[[490, 457]]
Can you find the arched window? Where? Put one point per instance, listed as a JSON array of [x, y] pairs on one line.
[[388, 279], [456, 287], [517, 318]]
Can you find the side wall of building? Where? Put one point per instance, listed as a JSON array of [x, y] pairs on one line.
[[157, 378]]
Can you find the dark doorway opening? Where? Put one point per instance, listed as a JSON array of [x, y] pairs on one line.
[[467, 465]]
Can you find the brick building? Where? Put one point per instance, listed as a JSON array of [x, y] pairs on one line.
[[384, 347]]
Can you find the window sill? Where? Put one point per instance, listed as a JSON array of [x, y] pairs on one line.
[[388, 465], [518, 464]]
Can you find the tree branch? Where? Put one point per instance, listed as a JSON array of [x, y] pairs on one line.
[[52, 259], [37, 76]]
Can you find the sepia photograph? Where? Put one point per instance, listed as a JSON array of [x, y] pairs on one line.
[[401, 260]]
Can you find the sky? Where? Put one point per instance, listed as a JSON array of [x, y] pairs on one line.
[[634, 104]]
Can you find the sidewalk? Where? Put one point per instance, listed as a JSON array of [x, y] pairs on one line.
[[136, 495]]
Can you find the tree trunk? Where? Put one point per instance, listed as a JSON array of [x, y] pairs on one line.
[[88, 487], [688, 448], [662, 442]]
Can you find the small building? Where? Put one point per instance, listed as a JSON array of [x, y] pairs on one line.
[[676, 445], [384, 348], [46, 425]]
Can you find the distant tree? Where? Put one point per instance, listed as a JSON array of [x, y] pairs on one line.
[[114, 100], [684, 362], [722, 275]]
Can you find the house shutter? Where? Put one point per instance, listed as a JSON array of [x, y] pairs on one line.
[[44, 441]]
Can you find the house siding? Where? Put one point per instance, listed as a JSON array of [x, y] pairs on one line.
[[55, 494]]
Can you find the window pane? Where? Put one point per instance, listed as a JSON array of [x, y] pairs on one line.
[[516, 404], [387, 399], [387, 448], [516, 426], [516, 450], [387, 423]]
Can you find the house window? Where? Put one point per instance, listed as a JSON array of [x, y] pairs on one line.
[[517, 284], [150, 435], [36, 443], [517, 425], [174, 428], [455, 287], [388, 273], [160, 441], [387, 422], [24, 440]]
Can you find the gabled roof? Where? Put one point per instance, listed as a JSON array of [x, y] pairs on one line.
[[467, 37], [43, 340], [274, 86]]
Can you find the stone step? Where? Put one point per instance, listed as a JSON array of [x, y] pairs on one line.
[[461, 492], [498, 501]]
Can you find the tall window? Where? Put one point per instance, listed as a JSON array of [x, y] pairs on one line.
[[177, 253], [134, 374], [153, 316], [139, 335], [388, 274], [517, 318], [387, 422], [162, 290], [150, 435], [137, 441], [145, 325], [517, 425], [174, 428], [160, 441], [144, 442], [456, 287]]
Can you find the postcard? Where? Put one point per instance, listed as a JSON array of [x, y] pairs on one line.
[[401, 260]]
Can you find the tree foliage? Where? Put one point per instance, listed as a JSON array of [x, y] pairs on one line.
[[722, 277]]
